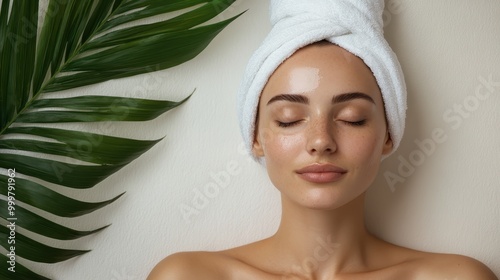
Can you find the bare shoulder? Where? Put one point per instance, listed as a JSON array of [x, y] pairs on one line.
[[452, 267], [190, 265], [407, 263], [216, 265]]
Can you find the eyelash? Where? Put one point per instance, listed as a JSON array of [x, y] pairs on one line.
[[288, 124], [358, 123]]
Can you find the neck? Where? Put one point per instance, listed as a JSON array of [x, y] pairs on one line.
[[322, 241]]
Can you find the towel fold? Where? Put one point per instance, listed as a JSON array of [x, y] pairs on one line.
[[355, 25]]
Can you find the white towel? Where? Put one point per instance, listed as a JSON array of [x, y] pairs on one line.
[[355, 25]]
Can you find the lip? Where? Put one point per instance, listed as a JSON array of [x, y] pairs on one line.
[[321, 173]]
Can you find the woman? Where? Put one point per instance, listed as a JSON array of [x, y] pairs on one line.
[[323, 121]]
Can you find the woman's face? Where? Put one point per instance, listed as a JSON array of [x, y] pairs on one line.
[[321, 127]]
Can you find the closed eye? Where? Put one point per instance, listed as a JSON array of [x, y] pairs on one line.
[[358, 123], [287, 124]]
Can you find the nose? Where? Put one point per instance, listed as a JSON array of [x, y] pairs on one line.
[[320, 138]]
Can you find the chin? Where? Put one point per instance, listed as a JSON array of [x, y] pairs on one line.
[[325, 198]]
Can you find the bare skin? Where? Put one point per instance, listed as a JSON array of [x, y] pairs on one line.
[[322, 131]]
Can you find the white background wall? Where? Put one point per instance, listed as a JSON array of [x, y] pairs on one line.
[[449, 202]]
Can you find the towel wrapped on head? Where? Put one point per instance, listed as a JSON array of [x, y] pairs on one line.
[[355, 25]]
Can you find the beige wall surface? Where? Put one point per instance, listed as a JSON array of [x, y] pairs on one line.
[[197, 190]]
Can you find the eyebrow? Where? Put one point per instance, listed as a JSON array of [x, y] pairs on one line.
[[344, 97], [297, 98], [350, 96]]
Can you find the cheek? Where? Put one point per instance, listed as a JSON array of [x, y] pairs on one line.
[[281, 148], [280, 152], [366, 149]]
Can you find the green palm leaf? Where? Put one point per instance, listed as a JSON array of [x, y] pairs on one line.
[[80, 42], [21, 272]]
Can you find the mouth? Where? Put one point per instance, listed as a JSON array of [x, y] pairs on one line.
[[321, 173]]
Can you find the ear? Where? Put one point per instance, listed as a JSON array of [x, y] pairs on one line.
[[257, 148], [388, 145]]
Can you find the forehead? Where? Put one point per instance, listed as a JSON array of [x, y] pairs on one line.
[[322, 66]]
